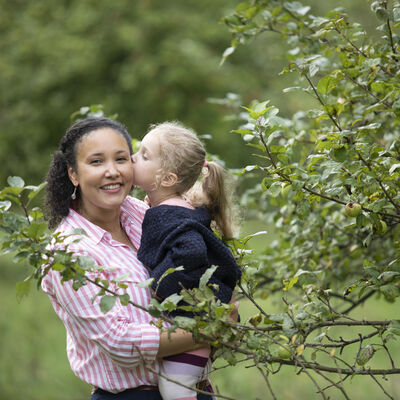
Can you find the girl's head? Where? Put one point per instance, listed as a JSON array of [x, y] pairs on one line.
[[93, 154], [173, 159], [169, 153]]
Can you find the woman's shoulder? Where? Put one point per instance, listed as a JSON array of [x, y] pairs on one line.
[[134, 205], [134, 209]]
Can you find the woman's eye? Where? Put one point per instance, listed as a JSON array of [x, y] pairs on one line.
[[122, 159], [95, 162]]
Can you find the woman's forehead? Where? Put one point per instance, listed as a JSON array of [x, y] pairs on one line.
[[102, 140]]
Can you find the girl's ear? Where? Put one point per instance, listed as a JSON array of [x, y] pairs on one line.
[[73, 176], [169, 180]]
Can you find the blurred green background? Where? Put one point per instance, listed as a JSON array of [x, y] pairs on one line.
[[147, 61]]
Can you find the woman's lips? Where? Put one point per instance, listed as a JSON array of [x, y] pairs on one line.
[[112, 187]]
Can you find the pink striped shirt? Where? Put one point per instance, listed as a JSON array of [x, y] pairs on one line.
[[107, 350]]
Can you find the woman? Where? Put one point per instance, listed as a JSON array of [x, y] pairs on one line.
[[87, 187]]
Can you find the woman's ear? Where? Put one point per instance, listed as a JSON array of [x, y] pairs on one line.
[[169, 180], [73, 176]]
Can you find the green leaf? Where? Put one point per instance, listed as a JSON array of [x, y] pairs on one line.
[[78, 231], [36, 213], [206, 276], [5, 205], [394, 327], [340, 154], [326, 84], [15, 181], [107, 303], [261, 107], [13, 191], [382, 14], [275, 189], [170, 303], [378, 86], [228, 51], [297, 8], [124, 299], [35, 190], [145, 283], [393, 168], [266, 183], [22, 289], [390, 291], [36, 230], [289, 283], [57, 267], [86, 263], [185, 323]]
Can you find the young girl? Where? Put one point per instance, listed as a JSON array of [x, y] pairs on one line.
[[177, 232]]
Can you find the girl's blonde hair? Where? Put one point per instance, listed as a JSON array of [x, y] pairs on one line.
[[183, 154]]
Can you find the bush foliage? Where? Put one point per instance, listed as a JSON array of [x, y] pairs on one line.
[[327, 178]]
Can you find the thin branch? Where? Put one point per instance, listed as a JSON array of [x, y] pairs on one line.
[[350, 42], [341, 297], [252, 300], [358, 302], [380, 182], [345, 371], [265, 376], [365, 88], [389, 355], [266, 148], [343, 343], [336, 123], [383, 389], [389, 30]]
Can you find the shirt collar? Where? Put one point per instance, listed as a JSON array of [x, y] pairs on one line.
[[92, 230], [125, 218]]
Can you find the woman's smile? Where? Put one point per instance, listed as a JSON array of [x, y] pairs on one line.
[[112, 188]]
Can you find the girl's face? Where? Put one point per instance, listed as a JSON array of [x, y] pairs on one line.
[[103, 171], [147, 163]]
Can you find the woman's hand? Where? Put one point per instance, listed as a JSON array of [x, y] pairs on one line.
[[234, 315], [147, 200]]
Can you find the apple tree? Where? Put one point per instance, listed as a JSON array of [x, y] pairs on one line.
[[327, 181]]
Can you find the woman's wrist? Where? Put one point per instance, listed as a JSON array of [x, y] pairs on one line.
[[177, 342]]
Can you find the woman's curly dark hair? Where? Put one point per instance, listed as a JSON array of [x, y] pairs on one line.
[[59, 187]]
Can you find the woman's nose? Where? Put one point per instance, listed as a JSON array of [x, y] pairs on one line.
[[133, 158], [112, 170]]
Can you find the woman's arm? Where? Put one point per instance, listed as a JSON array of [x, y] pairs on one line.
[[177, 342], [181, 341]]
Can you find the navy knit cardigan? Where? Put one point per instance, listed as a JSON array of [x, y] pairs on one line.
[[174, 236]]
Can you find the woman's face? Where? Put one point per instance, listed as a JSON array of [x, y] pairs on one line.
[[103, 172]]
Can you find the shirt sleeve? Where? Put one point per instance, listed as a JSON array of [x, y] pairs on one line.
[[120, 336]]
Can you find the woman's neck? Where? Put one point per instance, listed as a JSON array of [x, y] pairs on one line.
[[109, 220]]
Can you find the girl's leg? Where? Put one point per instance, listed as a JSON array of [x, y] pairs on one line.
[[185, 368]]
